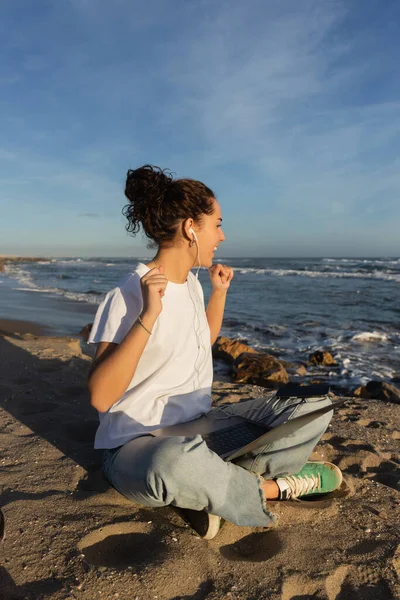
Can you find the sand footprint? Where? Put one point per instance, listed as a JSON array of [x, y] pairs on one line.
[[334, 582], [387, 473], [359, 464], [370, 423], [357, 445], [333, 439], [369, 583], [298, 586], [344, 583], [129, 544], [351, 456], [365, 583], [255, 547]]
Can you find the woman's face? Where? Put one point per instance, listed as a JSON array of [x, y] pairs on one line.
[[210, 235]]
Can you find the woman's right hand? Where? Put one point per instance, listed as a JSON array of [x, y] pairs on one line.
[[153, 289]]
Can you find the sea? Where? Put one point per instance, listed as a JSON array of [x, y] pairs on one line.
[[288, 307]]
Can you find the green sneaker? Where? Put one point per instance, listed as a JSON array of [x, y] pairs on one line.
[[314, 478]]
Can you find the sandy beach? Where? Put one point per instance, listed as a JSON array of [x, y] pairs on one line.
[[68, 535]]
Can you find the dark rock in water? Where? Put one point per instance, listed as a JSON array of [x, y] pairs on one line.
[[322, 357], [379, 390], [227, 349], [259, 369], [340, 390], [294, 368], [361, 392]]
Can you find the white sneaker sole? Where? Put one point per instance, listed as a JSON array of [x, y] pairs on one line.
[[213, 527]]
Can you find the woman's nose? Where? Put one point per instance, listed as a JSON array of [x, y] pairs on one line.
[[222, 235]]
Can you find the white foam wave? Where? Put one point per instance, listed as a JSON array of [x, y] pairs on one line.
[[379, 275], [20, 275], [29, 289], [364, 261], [81, 297], [370, 336], [78, 297], [337, 260], [75, 261], [383, 373], [27, 284]]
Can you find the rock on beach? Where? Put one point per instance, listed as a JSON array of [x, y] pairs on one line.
[[379, 390]]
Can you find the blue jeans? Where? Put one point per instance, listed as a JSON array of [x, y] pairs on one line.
[[182, 471]]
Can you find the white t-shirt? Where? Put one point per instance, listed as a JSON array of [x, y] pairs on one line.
[[172, 381]]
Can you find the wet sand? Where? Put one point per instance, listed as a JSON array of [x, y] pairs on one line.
[[41, 312]]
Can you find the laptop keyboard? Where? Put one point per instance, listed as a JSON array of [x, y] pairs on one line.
[[234, 437]]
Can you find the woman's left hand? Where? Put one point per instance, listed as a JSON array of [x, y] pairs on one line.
[[221, 276]]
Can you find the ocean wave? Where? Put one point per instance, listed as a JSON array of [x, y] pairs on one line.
[[363, 261], [91, 297], [24, 277], [81, 262], [370, 336], [28, 289], [321, 274], [63, 261], [27, 283]]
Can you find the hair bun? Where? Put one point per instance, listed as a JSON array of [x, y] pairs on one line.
[[147, 184]]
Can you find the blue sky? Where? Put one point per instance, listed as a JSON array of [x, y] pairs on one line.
[[289, 111]]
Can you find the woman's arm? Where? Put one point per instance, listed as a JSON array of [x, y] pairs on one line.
[[115, 364], [215, 312], [221, 277]]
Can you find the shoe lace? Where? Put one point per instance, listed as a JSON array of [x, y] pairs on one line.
[[300, 485]]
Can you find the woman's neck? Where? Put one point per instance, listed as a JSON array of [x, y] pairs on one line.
[[176, 262]]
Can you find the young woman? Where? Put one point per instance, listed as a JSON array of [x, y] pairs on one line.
[[153, 368]]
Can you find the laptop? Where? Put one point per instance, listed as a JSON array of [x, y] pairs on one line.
[[232, 436]]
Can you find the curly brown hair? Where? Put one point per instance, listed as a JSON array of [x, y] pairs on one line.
[[158, 203]]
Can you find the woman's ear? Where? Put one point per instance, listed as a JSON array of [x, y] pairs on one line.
[[187, 225]]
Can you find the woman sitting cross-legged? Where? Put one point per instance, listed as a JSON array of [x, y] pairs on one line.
[[153, 368]]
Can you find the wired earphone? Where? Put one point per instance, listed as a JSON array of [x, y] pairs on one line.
[[195, 240], [195, 304]]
